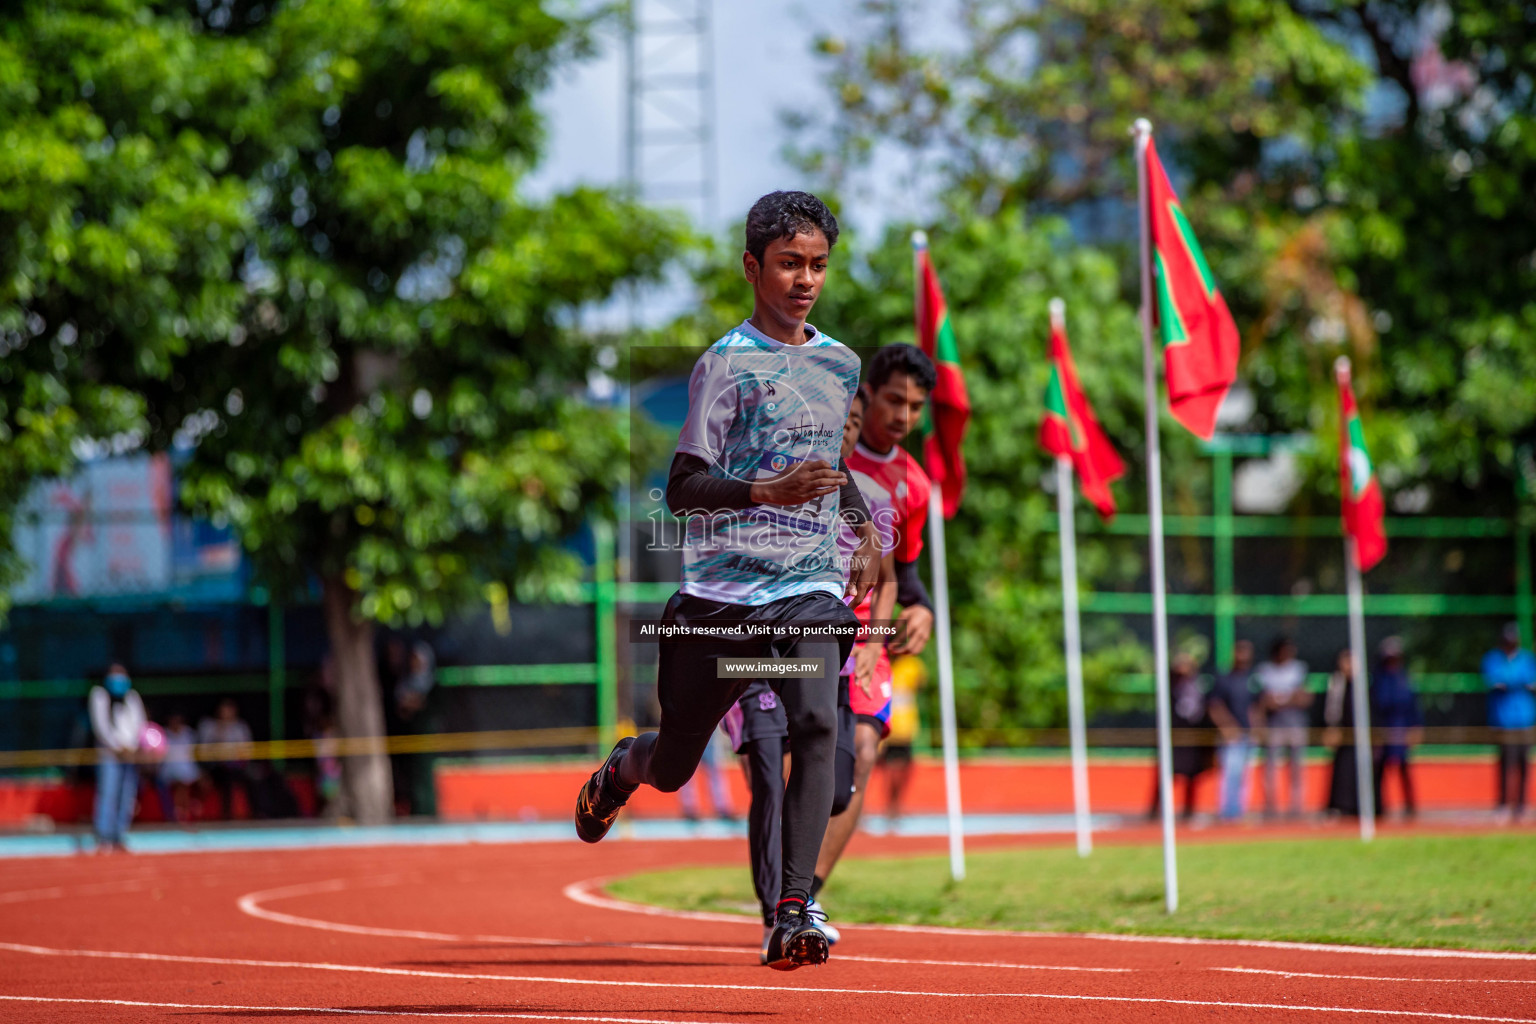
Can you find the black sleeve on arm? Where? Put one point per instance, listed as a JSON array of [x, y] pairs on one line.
[[691, 491], [909, 587], [850, 502]]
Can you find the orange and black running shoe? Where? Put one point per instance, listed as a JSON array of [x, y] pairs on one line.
[[601, 799]]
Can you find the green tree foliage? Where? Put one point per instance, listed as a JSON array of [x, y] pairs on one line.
[[403, 411], [290, 238], [118, 220], [1032, 102], [1361, 174], [403, 407]]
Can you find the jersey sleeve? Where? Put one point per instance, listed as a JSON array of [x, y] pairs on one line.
[[713, 399], [913, 514]]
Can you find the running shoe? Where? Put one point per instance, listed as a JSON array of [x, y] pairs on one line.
[[796, 941], [767, 938], [832, 934], [600, 800]]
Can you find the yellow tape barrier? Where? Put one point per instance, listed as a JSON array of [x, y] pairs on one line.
[[581, 736], [267, 750], [1470, 735]]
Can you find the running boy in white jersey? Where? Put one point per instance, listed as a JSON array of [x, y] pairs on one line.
[[753, 472]]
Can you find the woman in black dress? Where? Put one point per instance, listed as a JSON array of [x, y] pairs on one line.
[[1339, 734], [1194, 752]]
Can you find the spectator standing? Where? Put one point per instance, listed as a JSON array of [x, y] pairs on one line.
[[178, 771], [1190, 759], [908, 675], [320, 726], [1229, 708], [1395, 713], [1282, 705], [1339, 736], [117, 722], [1510, 674], [232, 770], [414, 716]]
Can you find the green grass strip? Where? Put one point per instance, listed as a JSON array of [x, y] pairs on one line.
[[1466, 892]]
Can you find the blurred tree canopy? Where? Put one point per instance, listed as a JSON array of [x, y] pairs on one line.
[[1361, 173], [119, 225], [291, 241], [1362, 176]]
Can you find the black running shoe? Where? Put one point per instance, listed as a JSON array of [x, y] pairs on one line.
[[796, 941], [600, 800]]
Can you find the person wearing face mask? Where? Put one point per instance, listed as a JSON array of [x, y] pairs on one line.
[[117, 720]]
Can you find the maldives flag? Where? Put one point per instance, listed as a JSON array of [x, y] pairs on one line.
[[1364, 510], [1071, 429], [1200, 341], [949, 409]]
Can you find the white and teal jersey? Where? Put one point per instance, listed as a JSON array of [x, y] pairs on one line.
[[755, 408]]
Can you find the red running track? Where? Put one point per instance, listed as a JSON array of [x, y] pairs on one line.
[[523, 932]]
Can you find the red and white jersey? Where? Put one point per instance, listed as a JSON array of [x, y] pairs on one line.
[[903, 480]]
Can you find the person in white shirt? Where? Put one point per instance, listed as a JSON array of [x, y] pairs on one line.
[[117, 721], [178, 772], [1283, 706], [230, 769]]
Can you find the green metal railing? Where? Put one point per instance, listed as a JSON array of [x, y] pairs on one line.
[[1225, 605]]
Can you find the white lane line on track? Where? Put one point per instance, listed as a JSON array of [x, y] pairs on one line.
[[54, 892], [251, 903], [585, 893], [780, 989], [349, 1010], [1378, 977]]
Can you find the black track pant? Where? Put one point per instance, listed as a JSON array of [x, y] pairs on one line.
[[693, 699], [1513, 761], [765, 769], [1387, 757]]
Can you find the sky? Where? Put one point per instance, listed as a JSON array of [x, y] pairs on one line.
[[763, 65]]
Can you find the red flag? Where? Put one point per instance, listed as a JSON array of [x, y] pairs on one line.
[[1363, 507], [949, 407], [1071, 429], [1200, 341]]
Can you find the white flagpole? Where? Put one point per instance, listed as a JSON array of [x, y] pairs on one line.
[[1076, 719], [946, 684], [1155, 514], [945, 654], [1364, 768]]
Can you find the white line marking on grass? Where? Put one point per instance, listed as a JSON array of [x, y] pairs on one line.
[[780, 989], [251, 904], [584, 892], [1378, 977], [509, 1015]]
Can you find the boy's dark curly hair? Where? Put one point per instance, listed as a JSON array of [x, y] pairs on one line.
[[902, 358], [785, 215]]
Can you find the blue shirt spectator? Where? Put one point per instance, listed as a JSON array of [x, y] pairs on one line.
[[1394, 705], [1510, 674], [1511, 677]]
